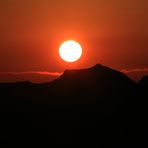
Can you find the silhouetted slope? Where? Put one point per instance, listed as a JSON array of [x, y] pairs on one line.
[[100, 100], [143, 89], [144, 81], [143, 100]]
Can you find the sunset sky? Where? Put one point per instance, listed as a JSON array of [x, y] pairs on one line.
[[111, 32]]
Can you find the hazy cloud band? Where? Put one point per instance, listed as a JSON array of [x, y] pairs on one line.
[[32, 73], [134, 70], [135, 74], [33, 76]]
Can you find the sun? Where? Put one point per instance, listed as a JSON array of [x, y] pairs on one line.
[[70, 51]]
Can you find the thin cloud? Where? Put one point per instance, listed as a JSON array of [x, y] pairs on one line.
[[32, 73], [135, 70], [135, 74], [33, 76]]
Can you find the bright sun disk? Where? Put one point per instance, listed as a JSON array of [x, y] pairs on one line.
[[70, 51]]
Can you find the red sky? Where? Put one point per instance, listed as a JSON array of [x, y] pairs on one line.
[[111, 32]]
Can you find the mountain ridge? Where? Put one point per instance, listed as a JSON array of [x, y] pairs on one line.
[[98, 98]]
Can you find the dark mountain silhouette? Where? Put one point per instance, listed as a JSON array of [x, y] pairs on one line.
[[97, 79], [143, 96], [144, 81], [88, 106]]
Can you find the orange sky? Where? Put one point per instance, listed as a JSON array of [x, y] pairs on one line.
[[111, 32]]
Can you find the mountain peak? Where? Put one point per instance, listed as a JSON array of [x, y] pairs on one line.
[[97, 66], [98, 74]]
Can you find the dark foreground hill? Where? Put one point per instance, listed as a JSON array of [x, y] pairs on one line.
[[97, 105]]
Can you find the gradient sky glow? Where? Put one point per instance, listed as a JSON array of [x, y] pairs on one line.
[[111, 32]]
